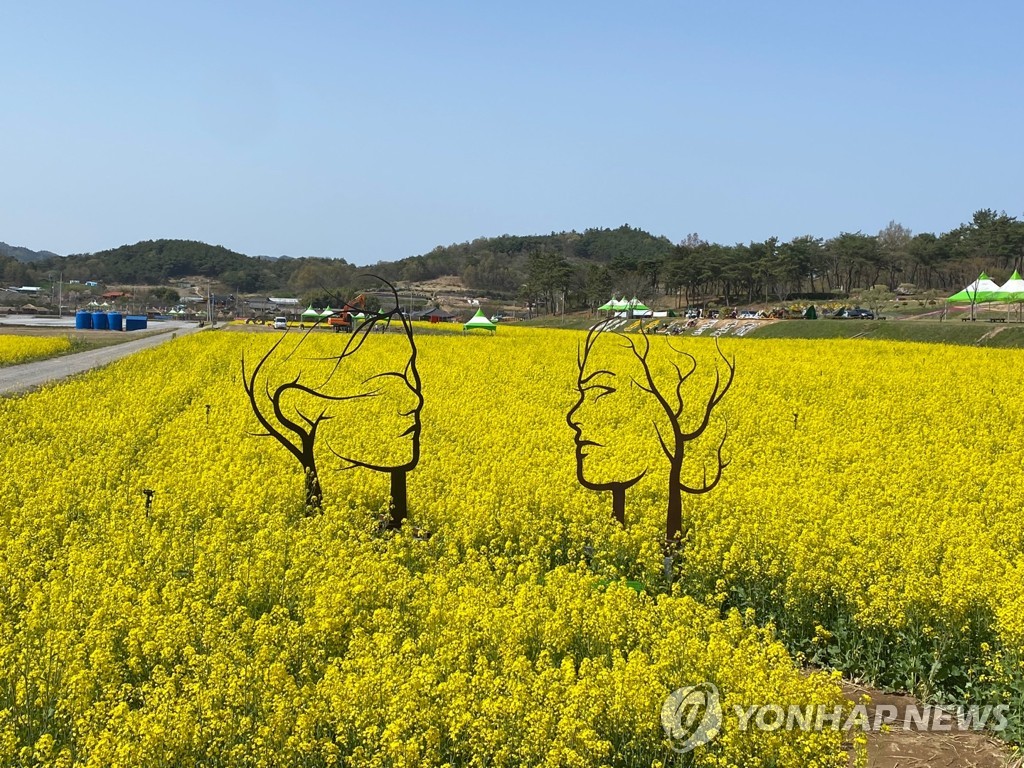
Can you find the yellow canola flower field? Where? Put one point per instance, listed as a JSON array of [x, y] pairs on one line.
[[221, 626], [867, 515], [21, 349]]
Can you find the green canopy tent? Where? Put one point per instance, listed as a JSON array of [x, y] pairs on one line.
[[326, 313], [981, 290], [621, 305], [1012, 292], [479, 321], [1012, 289], [637, 307], [608, 305], [310, 314]]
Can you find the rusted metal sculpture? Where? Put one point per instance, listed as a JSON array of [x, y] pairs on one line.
[[299, 433], [601, 382], [410, 378], [673, 438], [673, 445]]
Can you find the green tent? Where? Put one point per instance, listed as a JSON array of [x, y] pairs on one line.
[[621, 305], [609, 305], [1012, 289], [310, 314], [479, 320], [982, 289], [327, 312], [638, 306]]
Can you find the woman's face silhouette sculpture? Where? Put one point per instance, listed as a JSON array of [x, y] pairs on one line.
[[365, 410]]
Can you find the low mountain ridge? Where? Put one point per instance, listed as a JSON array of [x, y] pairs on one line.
[[25, 255]]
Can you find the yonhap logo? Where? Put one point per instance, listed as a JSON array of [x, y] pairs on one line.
[[692, 716]]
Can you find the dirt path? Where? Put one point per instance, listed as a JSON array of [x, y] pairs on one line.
[[21, 378], [903, 747], [991, 333]]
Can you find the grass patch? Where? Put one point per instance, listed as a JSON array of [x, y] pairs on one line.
[[982, 334]]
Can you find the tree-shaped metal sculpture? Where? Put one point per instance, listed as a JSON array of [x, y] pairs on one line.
[[674, 444], [295, 411], [673, 434], [297, 435], [409, 377], [601, 382]]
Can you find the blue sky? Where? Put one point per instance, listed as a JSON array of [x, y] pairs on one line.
[[374, 131]]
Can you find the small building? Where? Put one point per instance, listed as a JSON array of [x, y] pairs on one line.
[[435, 315], [264, 306]]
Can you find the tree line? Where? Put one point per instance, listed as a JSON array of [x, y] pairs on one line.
[[156, 262], [571, 270], [576, 270]]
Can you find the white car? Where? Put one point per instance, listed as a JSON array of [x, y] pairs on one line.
[[280, 323]]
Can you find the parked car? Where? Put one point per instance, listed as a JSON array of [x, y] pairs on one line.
[[859, 314], [280, 323]]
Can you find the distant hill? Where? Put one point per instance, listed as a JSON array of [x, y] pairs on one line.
[[156, 262], [25, 255], [538, 268], [537, 265]]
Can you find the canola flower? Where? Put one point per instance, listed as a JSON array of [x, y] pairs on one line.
[[219, 625], [22, 349]]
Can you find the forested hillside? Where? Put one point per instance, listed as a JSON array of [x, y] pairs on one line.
[[585, 269], [575, 270], [24, 254]]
